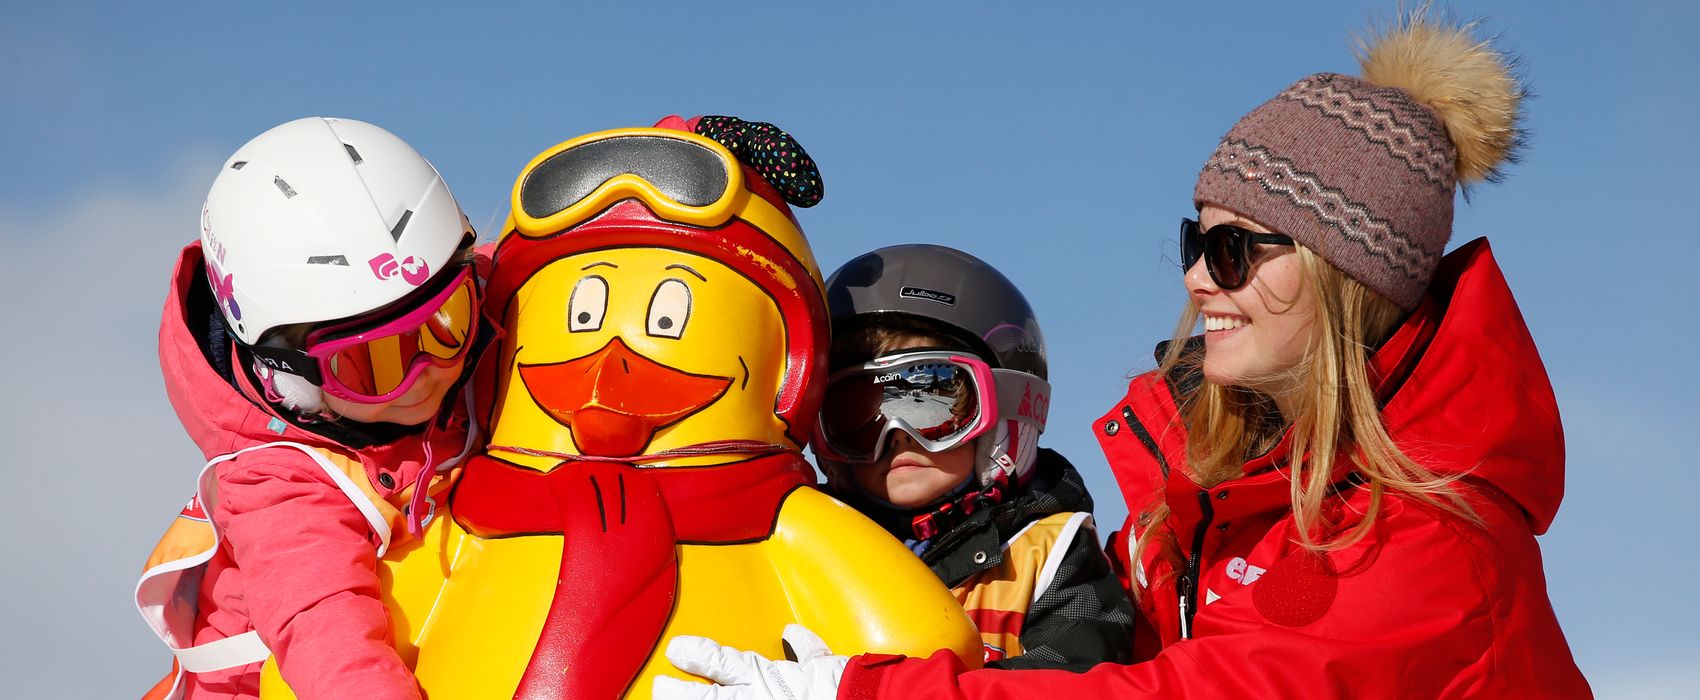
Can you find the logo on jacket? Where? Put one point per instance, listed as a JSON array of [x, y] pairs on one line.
[[1241, 570], [193, 510], [411, 269]]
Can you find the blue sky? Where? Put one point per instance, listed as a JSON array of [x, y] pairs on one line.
[[1058, 143]]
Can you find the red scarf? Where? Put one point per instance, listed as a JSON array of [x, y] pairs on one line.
[[619, 565]]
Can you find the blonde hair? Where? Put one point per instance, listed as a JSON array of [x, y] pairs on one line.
[[1337, 416]]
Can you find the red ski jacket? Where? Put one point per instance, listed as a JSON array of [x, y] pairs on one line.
[[1428, 605]]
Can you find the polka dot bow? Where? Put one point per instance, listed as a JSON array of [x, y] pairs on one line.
[[772, 153]]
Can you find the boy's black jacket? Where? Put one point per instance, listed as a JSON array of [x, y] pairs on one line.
[[1084, 618]]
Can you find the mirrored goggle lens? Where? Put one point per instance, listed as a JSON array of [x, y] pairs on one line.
[[936, 399], [686, 172], [385, 364]]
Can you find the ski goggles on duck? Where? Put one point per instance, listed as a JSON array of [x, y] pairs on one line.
[[377, 360], [1226, 249], [942, 399], [682, 177]]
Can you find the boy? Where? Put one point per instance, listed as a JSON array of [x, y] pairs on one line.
[[930, 425]]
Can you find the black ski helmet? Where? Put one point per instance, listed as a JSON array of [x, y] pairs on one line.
[[962, 297], [943, 287]]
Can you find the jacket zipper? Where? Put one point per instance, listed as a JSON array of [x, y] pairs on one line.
[[1138, 428], [1187, 586]]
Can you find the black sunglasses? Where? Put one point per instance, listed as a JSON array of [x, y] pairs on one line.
[[1226, 250]]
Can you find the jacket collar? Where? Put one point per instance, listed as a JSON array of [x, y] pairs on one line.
[[1057, 487]]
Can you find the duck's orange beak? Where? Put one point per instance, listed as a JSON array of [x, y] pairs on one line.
[[615, 399]]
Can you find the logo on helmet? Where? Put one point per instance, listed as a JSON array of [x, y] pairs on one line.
[[411, 269], [224, 290], [927, 294], [213, 245], [1009, 337]]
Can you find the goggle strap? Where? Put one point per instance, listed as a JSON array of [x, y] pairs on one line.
[[1022, 397], [288, 360], [416, 520]]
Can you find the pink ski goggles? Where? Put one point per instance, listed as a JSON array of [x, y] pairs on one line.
[[367, 361], [942, 399]]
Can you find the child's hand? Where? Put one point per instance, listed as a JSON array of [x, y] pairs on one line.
[[746, 675]]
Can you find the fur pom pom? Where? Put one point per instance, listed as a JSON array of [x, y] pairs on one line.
[[1465, 80]]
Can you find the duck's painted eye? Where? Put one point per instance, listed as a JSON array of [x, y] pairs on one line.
[[669, 309], [587, 305]]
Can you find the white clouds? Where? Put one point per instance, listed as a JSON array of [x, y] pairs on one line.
[[93, 448]]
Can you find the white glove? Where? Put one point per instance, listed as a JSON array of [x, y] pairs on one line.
[[746, 675]]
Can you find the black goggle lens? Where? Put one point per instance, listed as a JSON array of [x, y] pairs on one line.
[[685, 172]]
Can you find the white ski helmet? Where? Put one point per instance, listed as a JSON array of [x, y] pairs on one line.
[[321, 219]]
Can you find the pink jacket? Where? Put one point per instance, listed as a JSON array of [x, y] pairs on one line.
[[297, 559]]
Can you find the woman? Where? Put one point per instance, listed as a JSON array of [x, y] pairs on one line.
[[1335, 491]]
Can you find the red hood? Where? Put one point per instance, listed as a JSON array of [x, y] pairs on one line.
[[221, 420], [1469, 397], [1477, 400], [738, 244]]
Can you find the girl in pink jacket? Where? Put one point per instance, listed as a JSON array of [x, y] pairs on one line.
[[313, 346]]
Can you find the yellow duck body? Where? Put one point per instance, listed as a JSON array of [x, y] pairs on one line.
[[652, 388], [468, 611]]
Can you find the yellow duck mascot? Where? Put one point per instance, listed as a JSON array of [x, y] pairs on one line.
[[663, 324]]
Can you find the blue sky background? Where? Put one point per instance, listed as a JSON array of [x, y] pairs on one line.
[[1057, 141]]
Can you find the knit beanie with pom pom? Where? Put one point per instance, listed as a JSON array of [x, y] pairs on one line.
[[1362, 170]]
